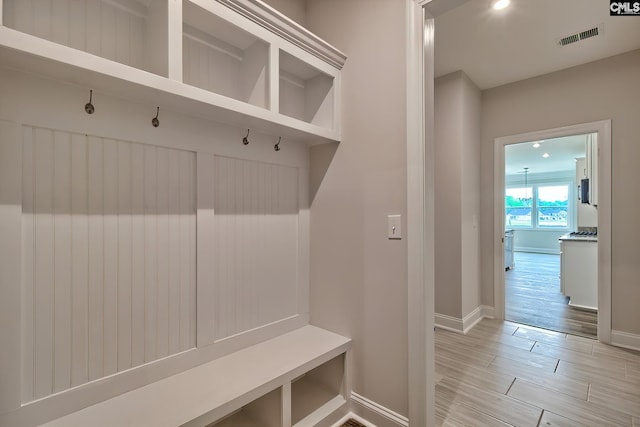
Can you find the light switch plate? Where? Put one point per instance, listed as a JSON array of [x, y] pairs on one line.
[[394, 227]]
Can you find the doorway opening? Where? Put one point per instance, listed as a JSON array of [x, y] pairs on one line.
[[543, 213], [552, 211]]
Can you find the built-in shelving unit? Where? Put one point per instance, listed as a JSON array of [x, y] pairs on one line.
[[318, 393], [265, 411], [306, 93], [103, 353], [237, 62], [245, 388]]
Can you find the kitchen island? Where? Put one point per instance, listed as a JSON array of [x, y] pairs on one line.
[[579, 269]]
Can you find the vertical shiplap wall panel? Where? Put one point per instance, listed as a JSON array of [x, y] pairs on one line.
[[28, 267], [139, 250], [95, 205], [109, 239], [80, 257], [125, 255], [162, 293], [151, 252], [255, 250], [103, 28], [174, 254], [43, 260], [206, 248], [110, 255], [62, 260]]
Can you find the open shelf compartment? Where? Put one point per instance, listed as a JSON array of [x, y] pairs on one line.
[[131, 32], [266, 411], [306, 93], [318, 393], [222, 58]]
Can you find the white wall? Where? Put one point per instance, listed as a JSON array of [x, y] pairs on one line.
[[358, 276], [605, 89], [294, 9], [457, 196]]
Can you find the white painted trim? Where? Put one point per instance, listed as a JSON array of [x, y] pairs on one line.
[[536, 250], [472, 319], [463, 326], [420, 212], [625, 340], [380, 410], [282, 26], [448, 323], [488, 312], [603, 128]]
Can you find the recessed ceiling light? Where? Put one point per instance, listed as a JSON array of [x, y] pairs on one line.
[[501, 4], [536, 145], [545, 155]]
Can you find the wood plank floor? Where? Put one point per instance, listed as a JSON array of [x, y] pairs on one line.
[[532, 297], [503, 373]]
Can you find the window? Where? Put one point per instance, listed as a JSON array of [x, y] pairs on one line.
[[538, 206], [553, 206], [518, 205]]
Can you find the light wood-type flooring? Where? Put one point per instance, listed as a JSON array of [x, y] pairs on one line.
[[532, 297], [502, 373]]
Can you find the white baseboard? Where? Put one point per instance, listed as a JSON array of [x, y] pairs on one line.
[[536, 250], [386, 415], [463, 326], [626, 340]]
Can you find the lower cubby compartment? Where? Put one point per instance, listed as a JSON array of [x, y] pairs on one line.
[[318, 393], [266, 411]]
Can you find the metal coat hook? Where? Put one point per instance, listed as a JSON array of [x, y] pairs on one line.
[[155, 122], [245, 140], [277, 146], [88, 107]]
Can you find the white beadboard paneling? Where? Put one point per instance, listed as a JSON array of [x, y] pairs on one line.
[[110, 260], [138, 256], [151, 253], [108, 231], [62, 260], [95, 187], [102, 27], [206, 272], [125, 255], [11, 245], [80, 257], [44, 262], [28, 268], [162, 317], [255, 257]]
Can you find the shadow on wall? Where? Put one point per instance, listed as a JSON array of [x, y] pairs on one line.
[[321, 157]]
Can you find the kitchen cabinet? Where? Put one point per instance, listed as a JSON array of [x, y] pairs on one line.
[[508, 249], [579, 272], [587, 214], [591, 166]]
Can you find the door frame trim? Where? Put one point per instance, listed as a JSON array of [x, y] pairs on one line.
[[603, 129]]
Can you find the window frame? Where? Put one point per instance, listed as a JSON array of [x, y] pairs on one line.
[[535, 225]]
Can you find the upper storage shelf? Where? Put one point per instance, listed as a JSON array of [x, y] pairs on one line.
[[238, 62]]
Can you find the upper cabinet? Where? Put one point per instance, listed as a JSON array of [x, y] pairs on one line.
[[592, 167], [238, 62]]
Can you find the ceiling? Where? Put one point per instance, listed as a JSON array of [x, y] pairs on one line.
[[498, 47], [562, 154]]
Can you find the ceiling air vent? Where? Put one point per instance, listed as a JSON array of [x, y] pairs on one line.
[[586, 34]]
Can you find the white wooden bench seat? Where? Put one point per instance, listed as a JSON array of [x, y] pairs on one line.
[[209, 392]]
